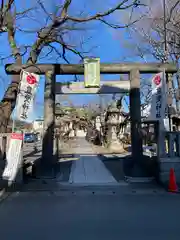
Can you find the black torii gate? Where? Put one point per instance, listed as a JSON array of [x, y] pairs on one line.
[[51, 70]]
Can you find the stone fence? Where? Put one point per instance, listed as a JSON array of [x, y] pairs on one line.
[[170, 158]]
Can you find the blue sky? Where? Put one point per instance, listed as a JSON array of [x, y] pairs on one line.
[[102, 41]]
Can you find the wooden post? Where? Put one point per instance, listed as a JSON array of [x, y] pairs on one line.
[[135, 113], [49, 120]]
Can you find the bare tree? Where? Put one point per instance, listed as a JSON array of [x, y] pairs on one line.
[[148, 34], [53, 36], [147, 38]]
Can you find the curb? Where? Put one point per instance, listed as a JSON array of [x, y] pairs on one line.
[[7, 191], [4, 195]]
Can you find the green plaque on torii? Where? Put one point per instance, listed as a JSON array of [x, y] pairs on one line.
[[92, 72]]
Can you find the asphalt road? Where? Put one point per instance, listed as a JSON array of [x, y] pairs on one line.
[[89, 215], [67, 216]]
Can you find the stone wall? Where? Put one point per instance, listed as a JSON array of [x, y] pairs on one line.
[[169, 156]]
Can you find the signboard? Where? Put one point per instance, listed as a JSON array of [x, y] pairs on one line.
[[92, 72], [26, 95], [159, 99], [13, 157]]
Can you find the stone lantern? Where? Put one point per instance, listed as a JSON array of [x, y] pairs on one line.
[[113, 120], [102, 126], [98, 123]]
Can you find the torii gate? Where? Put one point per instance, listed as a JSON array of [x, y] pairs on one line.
[[51, 88]]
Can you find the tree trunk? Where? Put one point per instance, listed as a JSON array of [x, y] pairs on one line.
[[7, 104]]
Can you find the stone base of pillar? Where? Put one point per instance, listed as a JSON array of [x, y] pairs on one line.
[[143, 169], [43, 170], [116, 147], [45, 174]]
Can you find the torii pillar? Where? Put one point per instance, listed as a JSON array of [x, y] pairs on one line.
[[48, 158]]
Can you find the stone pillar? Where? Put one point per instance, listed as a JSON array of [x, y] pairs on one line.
[[136, 165], [135, 113], [49, 121]]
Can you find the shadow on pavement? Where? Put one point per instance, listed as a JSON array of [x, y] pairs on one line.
[[114, 165], [31, 154], [63, 169], [121, 167], [59, 171]]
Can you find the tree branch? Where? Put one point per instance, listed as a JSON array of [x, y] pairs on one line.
[[3, 13], [11, 92], [65, 9], [117, 26], [44, 33], [98, 16]]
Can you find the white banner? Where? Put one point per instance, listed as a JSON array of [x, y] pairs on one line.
[[14, 158], [158, 106], [26, 95]]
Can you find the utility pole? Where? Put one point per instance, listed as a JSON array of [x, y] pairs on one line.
[[168, 80]]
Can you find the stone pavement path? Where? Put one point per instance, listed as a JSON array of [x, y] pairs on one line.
[[89, 169]]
